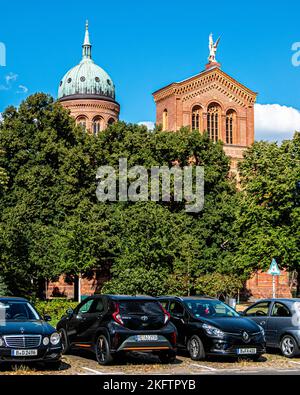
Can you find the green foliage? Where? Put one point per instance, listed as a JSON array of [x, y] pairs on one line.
[[55, 308], [217, 284], [51, 222], [3, 287], [269, 215]]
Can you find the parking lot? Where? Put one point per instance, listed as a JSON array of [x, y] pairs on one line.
[[84, 363]]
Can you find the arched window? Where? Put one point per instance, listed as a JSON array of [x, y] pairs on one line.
[[230, 126], [82, 121], [196, 118], [97, 125], [213, 121], [165, 120], [110, 121]]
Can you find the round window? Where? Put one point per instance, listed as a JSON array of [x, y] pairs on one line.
[[97, 79], [60, 83], [69, 80], [82, 79], [108, 81]]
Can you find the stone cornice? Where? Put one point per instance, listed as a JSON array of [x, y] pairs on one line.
[[204, 82], [89, 104]]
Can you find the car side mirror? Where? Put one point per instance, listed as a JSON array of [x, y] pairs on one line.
[[70, 311], [243, 313], [47, 318]]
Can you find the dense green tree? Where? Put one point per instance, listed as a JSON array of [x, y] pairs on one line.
[[269, 215], [51, 222]]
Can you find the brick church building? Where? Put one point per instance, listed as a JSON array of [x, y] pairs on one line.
[[210, 101]]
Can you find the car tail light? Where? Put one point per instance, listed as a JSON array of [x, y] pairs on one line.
[[117, 316], [166, 314]]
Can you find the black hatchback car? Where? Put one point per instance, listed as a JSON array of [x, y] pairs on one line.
[[111, 325], [280, 319], [25, 335], [207, 326]]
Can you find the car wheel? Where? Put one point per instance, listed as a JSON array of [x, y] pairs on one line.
[[288, 346], [64, 341], [103, 353], [196, 349], [167, 357]]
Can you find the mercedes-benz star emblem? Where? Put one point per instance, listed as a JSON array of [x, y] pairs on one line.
[[144, 318], [245, 336]]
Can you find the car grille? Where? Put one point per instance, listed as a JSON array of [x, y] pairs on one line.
[[23, 341]]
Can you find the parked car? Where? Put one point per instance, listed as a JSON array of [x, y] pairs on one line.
[[25, 335], [111, 325], [278, 317], [207, 326]]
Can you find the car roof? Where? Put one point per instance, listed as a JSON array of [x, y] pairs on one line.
[[12, 299], [126, 297], [287, 300], [183, 298]]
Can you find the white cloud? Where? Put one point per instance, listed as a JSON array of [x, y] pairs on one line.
[[11, 77], [149, 124], [275, 122], [22, 89]]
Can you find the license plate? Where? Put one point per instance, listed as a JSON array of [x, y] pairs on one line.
[[142, 338], [24, 353], [246, 351]]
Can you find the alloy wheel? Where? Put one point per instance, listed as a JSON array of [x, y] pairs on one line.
[[288, 346], [194, 348], [101, 349]]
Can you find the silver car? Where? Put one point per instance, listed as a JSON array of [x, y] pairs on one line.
[[280, 319]]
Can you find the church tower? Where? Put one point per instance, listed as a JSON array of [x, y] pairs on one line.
[[89, 92], [210, 101]]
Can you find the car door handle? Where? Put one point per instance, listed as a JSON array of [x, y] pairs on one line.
[[262, 323]]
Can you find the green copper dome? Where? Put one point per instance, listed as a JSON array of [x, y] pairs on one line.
[[86, 79]]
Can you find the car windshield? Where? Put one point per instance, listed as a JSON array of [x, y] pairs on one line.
[[210, 309], [17, 311], [140, 307]]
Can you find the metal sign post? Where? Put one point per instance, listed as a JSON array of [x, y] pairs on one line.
[[274, 271]]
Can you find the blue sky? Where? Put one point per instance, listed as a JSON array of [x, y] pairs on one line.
[[145, 45]]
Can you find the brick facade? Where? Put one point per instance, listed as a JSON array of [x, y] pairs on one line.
[[177, 101], [260, 286], [104, 111]]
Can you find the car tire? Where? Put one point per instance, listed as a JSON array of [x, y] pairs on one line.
[[64, 341], [167, 357], [102, 349], [289, 346], [195, 348]]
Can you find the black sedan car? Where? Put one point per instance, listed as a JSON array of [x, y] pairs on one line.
[[25, 336], [207, 326], [280, 319], [112, 325]]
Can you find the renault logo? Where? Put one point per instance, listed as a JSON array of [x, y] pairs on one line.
[[245, 337], [144, 318]]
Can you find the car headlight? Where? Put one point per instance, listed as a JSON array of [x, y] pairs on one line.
[[1, 342], [54, 338], [213, 331], [46, 341]]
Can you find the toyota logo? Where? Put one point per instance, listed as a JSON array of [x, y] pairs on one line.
[[144, 318], [246, 337]]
